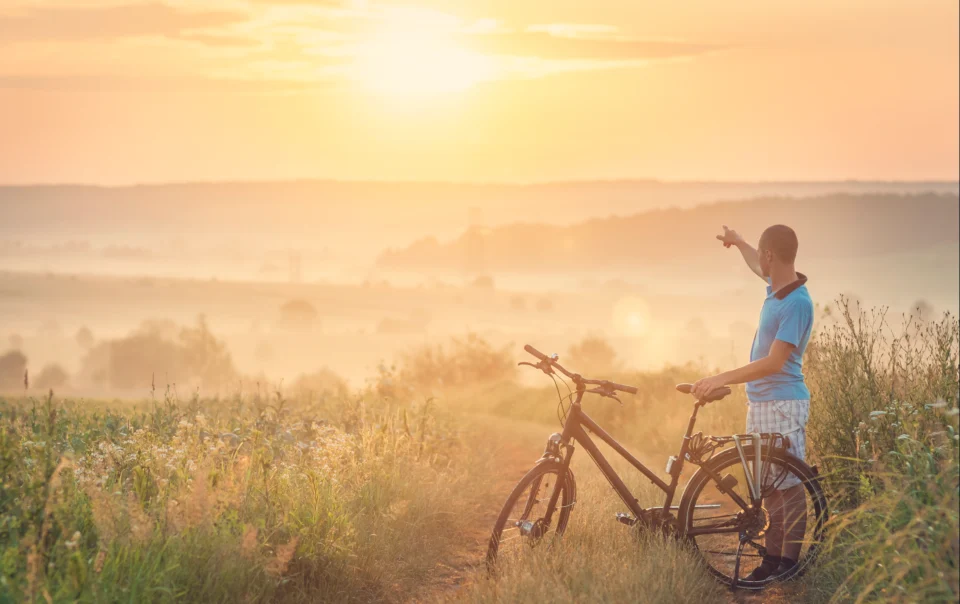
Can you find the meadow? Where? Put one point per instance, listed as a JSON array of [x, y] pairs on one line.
[[387, 492]]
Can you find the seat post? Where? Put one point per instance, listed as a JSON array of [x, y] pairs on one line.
[[693, 418]]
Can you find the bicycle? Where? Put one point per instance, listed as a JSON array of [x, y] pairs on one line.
[[730, 486]]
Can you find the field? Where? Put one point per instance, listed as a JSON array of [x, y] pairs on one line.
[[388, 492]]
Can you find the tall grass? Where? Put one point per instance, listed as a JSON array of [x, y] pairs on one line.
[[884, 428], [227, 501]]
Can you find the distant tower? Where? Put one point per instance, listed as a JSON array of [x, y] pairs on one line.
[[294, 263], [475, 261]]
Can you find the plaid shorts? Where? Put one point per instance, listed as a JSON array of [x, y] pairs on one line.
[[786, 417]]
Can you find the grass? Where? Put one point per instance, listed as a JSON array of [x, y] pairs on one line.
[[381, 494], [886, 432], [227, 500]]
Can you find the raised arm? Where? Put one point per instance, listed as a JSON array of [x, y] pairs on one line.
[[731, 237]]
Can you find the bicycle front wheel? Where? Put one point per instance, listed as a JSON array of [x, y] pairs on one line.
[[733, 538], [522, 523]]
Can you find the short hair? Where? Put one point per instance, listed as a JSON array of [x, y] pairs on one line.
[[782, 241]]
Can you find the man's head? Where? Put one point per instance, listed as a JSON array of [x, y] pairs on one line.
[[778, 245]]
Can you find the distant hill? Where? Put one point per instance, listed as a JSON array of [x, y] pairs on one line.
[[828, 226], [395, 213]]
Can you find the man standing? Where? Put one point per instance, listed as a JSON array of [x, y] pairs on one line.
[[778, 399]]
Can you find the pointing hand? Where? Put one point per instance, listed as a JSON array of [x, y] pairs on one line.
[[729, 237]]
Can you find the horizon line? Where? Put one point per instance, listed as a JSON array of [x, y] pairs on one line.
[[480, 183]]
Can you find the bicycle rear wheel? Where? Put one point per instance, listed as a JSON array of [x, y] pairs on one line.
[[733, 540], [521, 525]]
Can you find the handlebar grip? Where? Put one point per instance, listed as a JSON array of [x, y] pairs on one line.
[[535, 352], [624, 388]]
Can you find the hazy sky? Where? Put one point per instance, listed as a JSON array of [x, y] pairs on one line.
[[504, 90]]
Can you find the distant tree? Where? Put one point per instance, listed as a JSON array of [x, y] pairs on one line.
[[51, 377], [544, 304], [517, 302], [84, 337], [298, 314], [323, 382], [193, 356], [594, 355], [13, 367]]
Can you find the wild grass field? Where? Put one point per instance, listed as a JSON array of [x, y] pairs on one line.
[[388, 492]]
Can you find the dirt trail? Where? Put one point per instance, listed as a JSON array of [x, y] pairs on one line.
[[511, 459]]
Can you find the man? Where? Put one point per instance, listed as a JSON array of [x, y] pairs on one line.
[[778, 399]]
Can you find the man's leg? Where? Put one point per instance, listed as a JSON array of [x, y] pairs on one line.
[[794, 522], [774, 536]]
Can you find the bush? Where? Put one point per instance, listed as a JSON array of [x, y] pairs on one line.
[[465, 361], [52, 377]]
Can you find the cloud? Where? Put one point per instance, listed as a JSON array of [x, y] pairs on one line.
[[316, 3], [545, 45], [217, 40], [71, 24], [102, 83]]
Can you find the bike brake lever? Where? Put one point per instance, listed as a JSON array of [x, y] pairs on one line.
[[604, 394], [541, 366]]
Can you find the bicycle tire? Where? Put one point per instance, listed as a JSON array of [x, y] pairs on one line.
[[730, 458], [567, 500]]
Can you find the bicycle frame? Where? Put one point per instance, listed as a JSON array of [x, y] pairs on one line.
[[576, 429]]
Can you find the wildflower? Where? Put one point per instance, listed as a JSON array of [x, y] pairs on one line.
[[876, 414]]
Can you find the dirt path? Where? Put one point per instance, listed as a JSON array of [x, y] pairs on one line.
[[510, 459]]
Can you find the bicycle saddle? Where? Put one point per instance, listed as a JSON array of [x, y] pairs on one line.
[[714, 395]]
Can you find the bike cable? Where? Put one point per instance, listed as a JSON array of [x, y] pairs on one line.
[[561, 412]]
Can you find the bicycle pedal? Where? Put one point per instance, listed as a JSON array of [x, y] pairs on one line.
[[626, 519]]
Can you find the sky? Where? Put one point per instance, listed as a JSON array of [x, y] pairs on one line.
[[121, 92]]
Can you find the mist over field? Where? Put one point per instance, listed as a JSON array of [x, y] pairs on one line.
[[268, 269], [288, 279]]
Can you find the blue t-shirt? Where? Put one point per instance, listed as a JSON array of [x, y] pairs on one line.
[[790, 319]]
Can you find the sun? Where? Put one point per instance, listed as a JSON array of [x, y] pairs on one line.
[[407, 63], [631, 316]]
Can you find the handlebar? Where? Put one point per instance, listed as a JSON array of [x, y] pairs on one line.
[[577, 378]]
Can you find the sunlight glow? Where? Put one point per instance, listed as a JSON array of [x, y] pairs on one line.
[[409, 60], [631, 316]]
